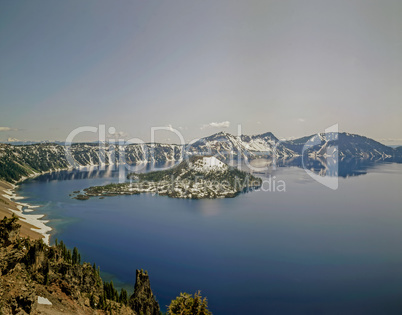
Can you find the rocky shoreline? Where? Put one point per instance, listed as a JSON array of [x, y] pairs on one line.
[[32, 225], [199, 178], [182, 190]]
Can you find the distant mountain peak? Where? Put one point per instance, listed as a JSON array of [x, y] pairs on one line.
[[27, 160]]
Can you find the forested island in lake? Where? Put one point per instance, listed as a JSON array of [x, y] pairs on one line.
[[198, 177]]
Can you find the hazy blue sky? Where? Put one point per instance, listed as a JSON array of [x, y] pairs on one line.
[[289, 67]]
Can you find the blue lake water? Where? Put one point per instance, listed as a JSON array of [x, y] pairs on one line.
[[309, 250]]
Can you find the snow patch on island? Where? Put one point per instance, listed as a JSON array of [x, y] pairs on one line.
[[207, 164]]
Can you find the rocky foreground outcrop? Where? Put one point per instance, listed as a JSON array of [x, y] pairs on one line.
[[40, 279], [143, 300]]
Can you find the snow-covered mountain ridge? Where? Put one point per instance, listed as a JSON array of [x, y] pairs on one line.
[[27, 160]]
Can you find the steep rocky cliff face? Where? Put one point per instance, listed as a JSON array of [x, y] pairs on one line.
[[40, 279], [27, 160]]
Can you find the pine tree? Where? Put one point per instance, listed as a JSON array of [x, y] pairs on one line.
[[186, 304], [76, 259], [102, 302], [92, 301], [123, 296], [68, 256], [47, 270]]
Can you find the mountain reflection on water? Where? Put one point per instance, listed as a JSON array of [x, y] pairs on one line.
[[348, 166], [345, 167]]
